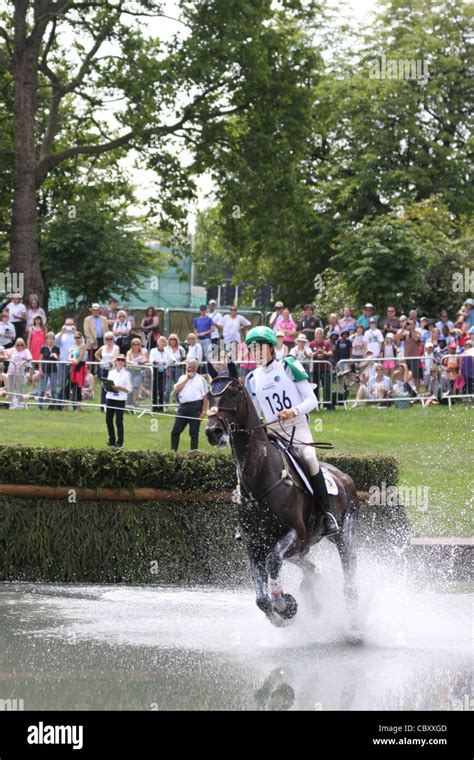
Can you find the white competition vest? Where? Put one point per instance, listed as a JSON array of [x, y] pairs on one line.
[[274, 390]]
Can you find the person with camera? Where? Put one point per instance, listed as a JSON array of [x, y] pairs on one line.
[[118, 385]]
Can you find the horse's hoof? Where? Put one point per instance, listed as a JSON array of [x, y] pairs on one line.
[[290, 607]]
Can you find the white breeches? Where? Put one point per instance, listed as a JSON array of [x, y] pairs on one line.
[[301, 437]]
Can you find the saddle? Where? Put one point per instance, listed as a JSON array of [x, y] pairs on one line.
[[294, 468]]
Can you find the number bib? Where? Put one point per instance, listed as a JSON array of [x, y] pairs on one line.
[[275, 391]]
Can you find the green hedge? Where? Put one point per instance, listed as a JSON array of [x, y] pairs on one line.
[[192, 472], [138, 542]]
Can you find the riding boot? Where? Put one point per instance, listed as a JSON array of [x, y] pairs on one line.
[[321, 505]]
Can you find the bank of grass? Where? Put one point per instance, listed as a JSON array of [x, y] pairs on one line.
[[432, 445]]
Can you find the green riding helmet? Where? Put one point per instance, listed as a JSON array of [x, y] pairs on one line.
[[261, 334]]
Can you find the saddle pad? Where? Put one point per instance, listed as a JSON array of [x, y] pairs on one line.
[[330, 482]]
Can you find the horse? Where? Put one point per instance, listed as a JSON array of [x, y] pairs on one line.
[[274, 510]]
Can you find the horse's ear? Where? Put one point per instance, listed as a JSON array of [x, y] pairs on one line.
[[211, 370], [232, 370]]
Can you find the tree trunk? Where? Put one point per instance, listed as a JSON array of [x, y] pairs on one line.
[[24, 255]]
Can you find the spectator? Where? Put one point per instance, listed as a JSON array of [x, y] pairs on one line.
[[401, 390], [135, 359], [446, 333], [191, 393], [177, 359], [425, 333], [77, 358], [216, 317], [389, 352], [367, 367], [106, 355], [121, 330], [302, 352], [194, 349], [347, 322], [374, 338], [89, 385], [18, 358], [3, 380], [412, 344], [428, 362], [400, 336], [322, 354], [160, 360], [95, 327], [287, 326], [36, 340], [444, 320], [452, 364], [18, 314], [277, 316], [368, 312], [467, 367], [438, 386], [7, 330], [359, 345], [65, 340], [231, 325], [377, 388], [413, 317], [34, 310], [308, 324], [130, 317], [469, 307], [343, 351], [461, 331], [110, 313], [116, 400], [390, 322], [150, 325], [203, 326], [281, 350], [333, 327]]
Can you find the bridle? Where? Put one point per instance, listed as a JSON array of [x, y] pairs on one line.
[[229, 426]]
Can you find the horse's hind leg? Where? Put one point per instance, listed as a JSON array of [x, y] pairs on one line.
[[284, 604]]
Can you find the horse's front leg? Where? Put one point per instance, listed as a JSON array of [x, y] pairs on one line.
[[284, 604]]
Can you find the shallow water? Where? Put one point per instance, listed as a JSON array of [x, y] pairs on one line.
[[151, 648]]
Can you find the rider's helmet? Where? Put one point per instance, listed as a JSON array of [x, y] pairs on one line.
[[261, 334]]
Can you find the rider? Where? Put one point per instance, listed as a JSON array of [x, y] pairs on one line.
[[281, 390]]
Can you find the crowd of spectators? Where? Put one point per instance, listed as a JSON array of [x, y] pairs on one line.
[[392, 357]]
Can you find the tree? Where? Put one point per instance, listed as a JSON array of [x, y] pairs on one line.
[[69, 59], [95, 251]]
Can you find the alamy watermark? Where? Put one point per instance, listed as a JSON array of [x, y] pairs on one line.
[[400, 68], [416, 497], [463, 282], [12, 282]]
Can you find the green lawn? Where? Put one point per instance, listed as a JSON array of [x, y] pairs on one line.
[[431, 444]]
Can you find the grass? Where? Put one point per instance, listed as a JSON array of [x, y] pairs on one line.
[[432, 445]]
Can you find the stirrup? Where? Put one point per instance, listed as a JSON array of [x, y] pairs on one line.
[[332, 528]]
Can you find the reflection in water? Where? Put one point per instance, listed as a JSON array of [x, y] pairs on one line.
[[149, 648]]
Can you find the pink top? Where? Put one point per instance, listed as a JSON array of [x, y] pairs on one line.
[[290, 325]]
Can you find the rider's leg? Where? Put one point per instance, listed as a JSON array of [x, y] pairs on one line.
[[321, 503]]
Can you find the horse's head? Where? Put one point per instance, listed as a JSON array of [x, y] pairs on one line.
[[226, 402]]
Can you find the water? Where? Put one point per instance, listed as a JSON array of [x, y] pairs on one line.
[[150, 648]]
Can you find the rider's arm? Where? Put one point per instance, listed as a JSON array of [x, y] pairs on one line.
[[249, 386], [309, 401]]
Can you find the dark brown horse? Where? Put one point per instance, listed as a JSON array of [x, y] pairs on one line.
[[275, 511]]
